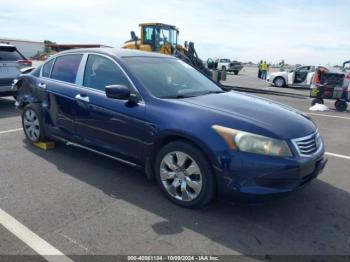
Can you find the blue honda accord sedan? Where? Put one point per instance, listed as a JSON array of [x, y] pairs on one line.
[[157, 113]]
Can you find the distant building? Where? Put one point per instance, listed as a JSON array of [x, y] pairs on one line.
[[26, 47]]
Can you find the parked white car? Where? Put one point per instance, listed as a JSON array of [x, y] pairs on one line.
[[299, 77]]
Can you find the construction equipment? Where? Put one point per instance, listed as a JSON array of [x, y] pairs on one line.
[[163, 38]]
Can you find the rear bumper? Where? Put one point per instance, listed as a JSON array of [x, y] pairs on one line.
[[6, 81], [6, 85], [6, 88], [7, 91], [231, 69]]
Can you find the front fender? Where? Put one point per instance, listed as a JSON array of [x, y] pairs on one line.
[[284, 75], [176, 134]]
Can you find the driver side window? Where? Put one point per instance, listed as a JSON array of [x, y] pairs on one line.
[[303, 69], [101, 72]]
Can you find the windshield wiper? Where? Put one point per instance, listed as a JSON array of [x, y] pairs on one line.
[[212, 92], [179, 96], [195, 94]]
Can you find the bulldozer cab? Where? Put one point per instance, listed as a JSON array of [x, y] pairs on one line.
[[157, 37], [163, 38]]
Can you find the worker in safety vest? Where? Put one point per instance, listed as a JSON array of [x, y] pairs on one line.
[[264, 69], [259, 67]]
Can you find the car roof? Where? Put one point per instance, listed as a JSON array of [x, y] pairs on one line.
[[117, 52], [6, 45]]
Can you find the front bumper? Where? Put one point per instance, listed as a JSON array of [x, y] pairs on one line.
[[254, 175]]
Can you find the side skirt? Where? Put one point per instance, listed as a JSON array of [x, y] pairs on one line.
[[69, 143]]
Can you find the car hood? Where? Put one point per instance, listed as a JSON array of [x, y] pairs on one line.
[[271, 118], [274, 74]]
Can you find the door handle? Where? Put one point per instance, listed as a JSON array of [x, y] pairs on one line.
[[82, 98], [42, 85]]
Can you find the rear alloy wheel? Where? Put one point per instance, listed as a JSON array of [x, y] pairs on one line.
[[317, 101], [279, 82], [185, 175], [341, 105], [31, 122]]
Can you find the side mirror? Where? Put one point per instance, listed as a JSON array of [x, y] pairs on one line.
[[121, 92], [117, 92]]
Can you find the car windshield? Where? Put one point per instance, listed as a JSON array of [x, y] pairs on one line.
[[170, 78], [225, 60], [347, 67]]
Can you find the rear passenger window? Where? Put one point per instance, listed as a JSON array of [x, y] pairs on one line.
[[47, 68], [101, 72], [66, 68]]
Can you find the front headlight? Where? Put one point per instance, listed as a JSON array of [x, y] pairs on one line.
[[252, 143]]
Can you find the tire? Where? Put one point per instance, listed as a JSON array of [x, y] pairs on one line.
[[189, 184], [316, 101], [341, 106], [335, 103], [279, 82], [235, 72], [32, 123]]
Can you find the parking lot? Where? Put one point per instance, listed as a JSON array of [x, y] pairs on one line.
[[82, 203]]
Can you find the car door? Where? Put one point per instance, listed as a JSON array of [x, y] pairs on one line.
[[58, 77], [310, 75], [291, 77], [301, 74], [113, 126]]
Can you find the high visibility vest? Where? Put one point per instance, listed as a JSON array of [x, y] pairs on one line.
[[264, 67]]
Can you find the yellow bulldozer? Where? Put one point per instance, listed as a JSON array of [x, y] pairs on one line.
[[163, 38], [155, 37]]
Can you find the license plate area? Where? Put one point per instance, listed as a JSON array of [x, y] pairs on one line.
[[8, 71]]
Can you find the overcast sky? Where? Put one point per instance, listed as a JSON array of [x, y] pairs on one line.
[[315, 32]]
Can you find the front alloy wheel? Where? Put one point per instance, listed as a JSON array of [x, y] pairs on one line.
[[181, 176], [185, 174]]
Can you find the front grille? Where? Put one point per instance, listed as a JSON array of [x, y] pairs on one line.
[[308, 145]]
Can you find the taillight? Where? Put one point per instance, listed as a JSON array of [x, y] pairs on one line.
[[25, 62], [348, 77], [317, 78]]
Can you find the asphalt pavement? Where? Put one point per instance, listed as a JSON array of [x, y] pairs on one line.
[[82, 203]]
